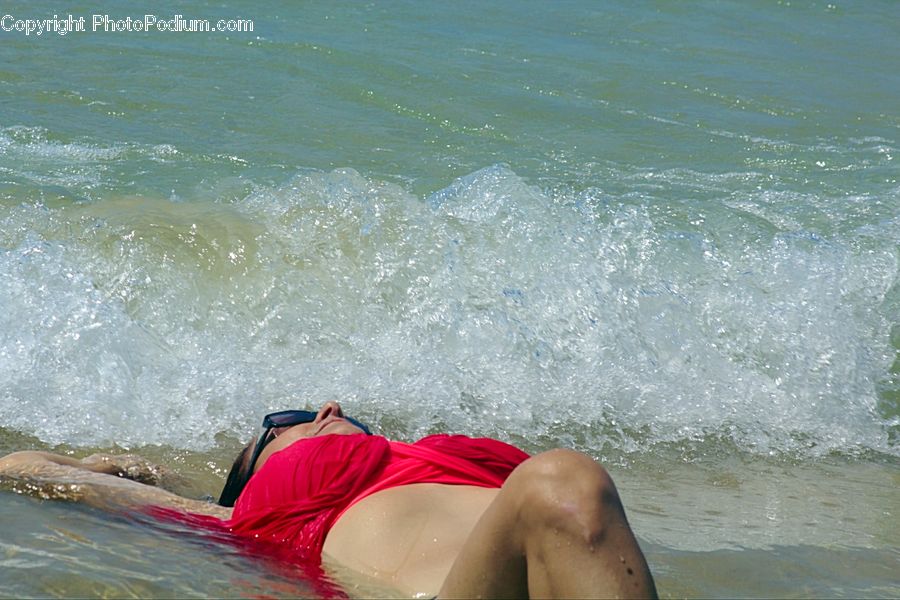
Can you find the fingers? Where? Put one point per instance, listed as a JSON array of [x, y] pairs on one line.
[[127, 466]]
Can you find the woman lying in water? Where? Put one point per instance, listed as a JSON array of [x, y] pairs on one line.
[[448, 515]]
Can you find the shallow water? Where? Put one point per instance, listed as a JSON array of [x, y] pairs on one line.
[[733, 526], [663, 235], [740, 527]]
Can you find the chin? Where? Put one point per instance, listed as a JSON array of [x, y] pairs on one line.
[[340, 428]]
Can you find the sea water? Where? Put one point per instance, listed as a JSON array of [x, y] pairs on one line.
[[663, 234]]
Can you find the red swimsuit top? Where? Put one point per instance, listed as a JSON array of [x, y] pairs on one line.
[[300, 491]]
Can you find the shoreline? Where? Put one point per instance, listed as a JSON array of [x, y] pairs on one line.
[[709, 528]]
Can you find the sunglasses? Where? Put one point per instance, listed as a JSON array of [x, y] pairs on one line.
[[288, 418]]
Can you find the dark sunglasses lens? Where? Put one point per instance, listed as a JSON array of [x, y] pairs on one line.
[[289, 417]]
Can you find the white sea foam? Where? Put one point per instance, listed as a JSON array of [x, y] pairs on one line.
[[489, 307]]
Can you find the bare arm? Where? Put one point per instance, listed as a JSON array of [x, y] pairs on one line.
[[100, 480]]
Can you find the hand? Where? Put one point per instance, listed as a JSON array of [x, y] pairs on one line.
[[128, 466]]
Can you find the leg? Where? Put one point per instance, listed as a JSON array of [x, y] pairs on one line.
[[557, 529]]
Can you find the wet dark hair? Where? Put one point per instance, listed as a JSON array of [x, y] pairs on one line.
[[237, 480]]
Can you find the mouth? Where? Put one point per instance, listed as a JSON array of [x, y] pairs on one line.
[[326, 422]]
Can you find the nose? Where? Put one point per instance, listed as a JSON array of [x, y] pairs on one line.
[[330, 408]]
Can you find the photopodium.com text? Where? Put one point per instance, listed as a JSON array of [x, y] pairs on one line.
[[107, 24]]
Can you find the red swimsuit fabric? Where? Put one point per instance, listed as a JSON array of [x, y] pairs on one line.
[[303, 489]]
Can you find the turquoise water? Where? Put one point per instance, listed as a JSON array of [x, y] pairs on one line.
[[664, 234]]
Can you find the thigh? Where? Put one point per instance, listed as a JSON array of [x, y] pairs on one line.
[[556, 529], [491, 563]]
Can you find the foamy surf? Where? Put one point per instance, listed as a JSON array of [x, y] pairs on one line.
[[490, 306]]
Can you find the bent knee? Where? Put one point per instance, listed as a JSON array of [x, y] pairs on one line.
[[568, 490], [567, 471]]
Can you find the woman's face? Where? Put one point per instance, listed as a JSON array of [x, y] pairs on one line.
[[329, 421]]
